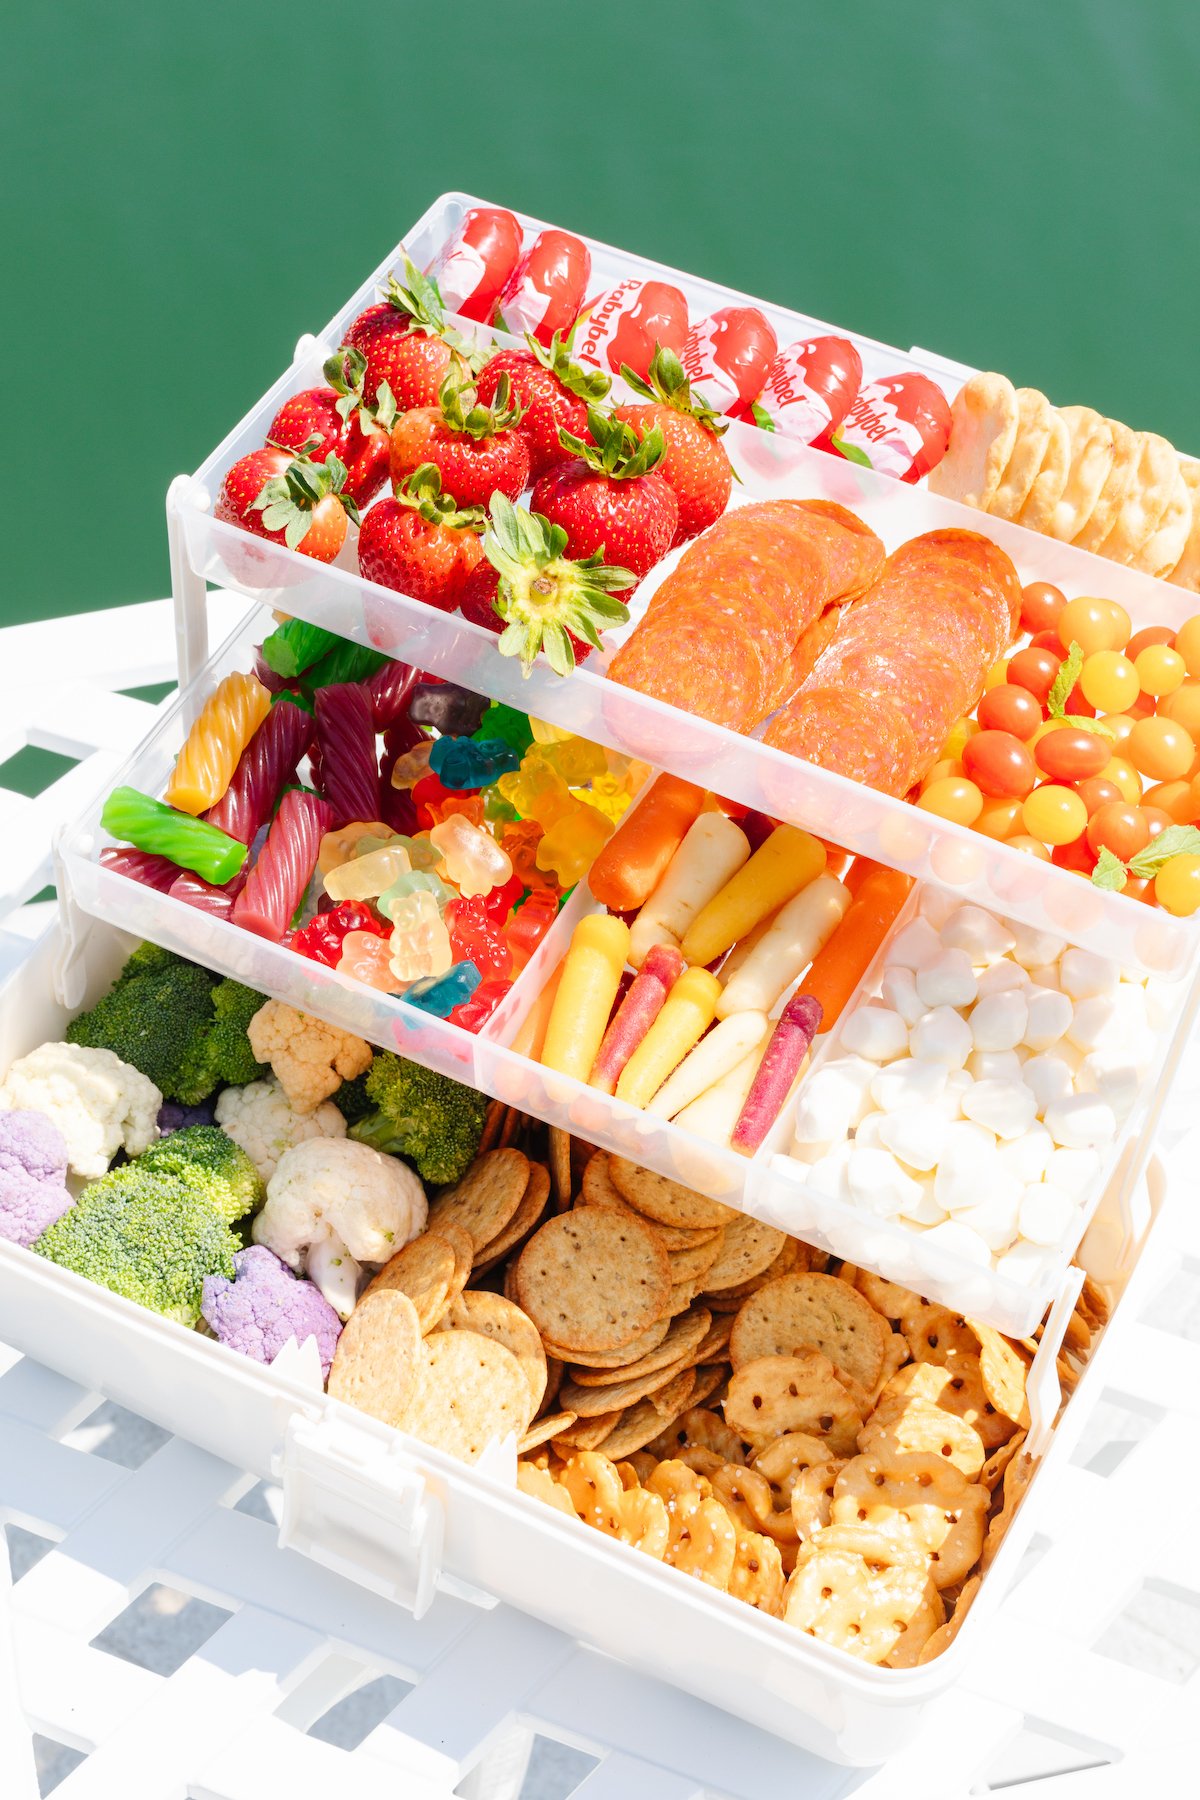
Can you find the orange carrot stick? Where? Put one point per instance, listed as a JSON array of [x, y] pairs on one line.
[[841, 965], [635, 858]]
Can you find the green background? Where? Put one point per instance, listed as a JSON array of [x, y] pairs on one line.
[[1011, 182]]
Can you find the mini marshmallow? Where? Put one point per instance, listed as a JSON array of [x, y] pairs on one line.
[[1048, 1077], [1046, 977], [925, 1209], [981, 934], [914, 946], [1083, 973], [1080, 1122], [937, 906], [1073, 1172], [969, 1174], [947, 980], [916, 1135], [907, 1082], [1046, 1214], [834, 1098], [994, 1065], [831, 1175], [1006, 1107], [1025, 1264], [811, 1152], [1001, 978], [876, 1033], [996, 1219], [1090, 1021], [1114, 1077], [877, 1183], [1026, 1157], [959, 1240], [1162, 997], [941, 1036], [866, 1132], [1048, 1015], [899, 990], [1032, 947], [998, 1021], [958, 1083]]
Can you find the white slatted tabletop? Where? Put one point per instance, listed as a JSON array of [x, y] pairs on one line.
[[160, 1645]]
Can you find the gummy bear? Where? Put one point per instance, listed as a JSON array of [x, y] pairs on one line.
[[467, 806], [367, 958], [408, 769], [447, 708], [430, 791], [500, 721], [421, 853], [497, 810], [475, 937], [474, 1013], [609, 795], [339, 846], [415, 882], [365, 877], [575, 759], [572, 845], [520, 843], [440, 994], [545, 733], [471, 859], [530, 923], [472, 763], [322, 938], [537, 791], [420, 942], [500, 902]]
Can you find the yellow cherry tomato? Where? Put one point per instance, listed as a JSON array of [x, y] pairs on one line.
[[1120, 725], [1125, 778], [1030, 846], [1054, 814], [1160, 749], [953, 798], [1109, 681], [1093, 625], [1183, 705], [1177, 885], [999, 818], [997, 675], [1159, 669], [1187, 642], [1045, 728], [948, 766], [1174, 798], [960, 731]]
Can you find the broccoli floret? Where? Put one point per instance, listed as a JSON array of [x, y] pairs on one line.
[[148, 1234], [205, 1149], [176, 1023], [352, 1099], [431, 1121]]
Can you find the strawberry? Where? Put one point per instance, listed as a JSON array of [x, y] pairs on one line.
[[421, 542], [476, 449], [695, 463], [408, 344], [535, 597], [610, 498], [289, 500], [554, 391], [343, 423]]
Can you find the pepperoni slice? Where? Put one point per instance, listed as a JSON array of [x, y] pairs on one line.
[[946, 605], [858, 735], [707, 664]]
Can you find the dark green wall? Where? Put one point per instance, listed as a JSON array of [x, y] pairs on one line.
[[1012, 182]]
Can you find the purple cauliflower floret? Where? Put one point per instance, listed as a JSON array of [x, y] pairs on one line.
[[174, 1117], [33, 1168], [265, 1305]]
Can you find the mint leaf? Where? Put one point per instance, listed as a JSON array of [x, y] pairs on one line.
[[1064, 681], [1176, 840], [762, 417], [1099, 727], [1109, 872], [851, 452]]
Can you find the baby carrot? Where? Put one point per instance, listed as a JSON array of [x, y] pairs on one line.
[[588, 986], [635, 858], [841, 965]]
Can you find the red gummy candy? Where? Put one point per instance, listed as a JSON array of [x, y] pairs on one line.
[[500, 902], [475, 937], [530, 923], [429, 793], [476, 1011], [321, 938]]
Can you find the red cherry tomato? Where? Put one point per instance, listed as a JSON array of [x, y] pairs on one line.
[[1119, 828], [1156, 819], [1070, 755], [728, 356], [1046, 640], [1041, 604], [1149, 634], [809, 389], [475, 262], [1009, 708], [1096, 792], [1077, 855], [999, 764], [546, 289], [1035, 670]]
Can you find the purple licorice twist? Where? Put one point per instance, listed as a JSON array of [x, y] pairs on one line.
[[275, 886], [787, 1047], [346, 739], [389, 691], [264, 769], [156, 872], [206, 898]]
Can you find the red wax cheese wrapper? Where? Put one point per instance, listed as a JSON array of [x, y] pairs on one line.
[[476, 261], [546, 289], [809, 389], [899, 424], [624, 325], [728, 356]]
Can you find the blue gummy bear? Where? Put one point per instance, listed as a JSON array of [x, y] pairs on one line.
[[461, 763], [440, 994]]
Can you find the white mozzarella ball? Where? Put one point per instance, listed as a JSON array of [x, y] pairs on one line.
[[1006, 1107], [998, 1021], [915, 1135], [1001, 978], [875, 1032], [878, 1184], [907, 1082], [995, 1218], [994, 1065], [1048, 1014], [1032, 947], [1046, 1214], [833, 1099], [899, 990], [947, 980], [1048, 1076], [958, 1083], [914, 946], [1090, 1021], [1026, 1156], [981, 934], [1025, 1264], [942, 1036], [1081, 1122], [1073, 1172], [959, 1240], [1083, 973]]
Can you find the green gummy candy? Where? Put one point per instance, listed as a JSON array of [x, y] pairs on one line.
[[159, 830]]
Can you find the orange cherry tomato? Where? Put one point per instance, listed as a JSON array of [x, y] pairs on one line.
[[1184, 707], [1093, 625], [1120, 828], [1156, 818], [1121, 772], [1046, 640], [1035, 670], [1149, 634], [1041, 603], [1160, 749], [999, 764], [1030, 847], [1096, 792], [1175, 798], [1010, 708], [1000, 818], [1071, 755]]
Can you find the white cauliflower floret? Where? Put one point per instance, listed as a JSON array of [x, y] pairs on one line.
[[99, 1103], [310, 1059], [334, 1207], [262, 1120]]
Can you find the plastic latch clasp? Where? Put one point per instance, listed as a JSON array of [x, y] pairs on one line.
[[70, 970], [351, 1503]]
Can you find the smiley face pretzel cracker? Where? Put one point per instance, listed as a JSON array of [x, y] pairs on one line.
[[773, 1394], [1004, 1373], [811, 1506], [601, 1499], [955, 1386], [864, 1593], [933, 1332], [1017, 1477], [814, 1312], [702, 1537], [592, 1280], [698, 1429], [945, 1634], [901, 1427], [921, 1500]]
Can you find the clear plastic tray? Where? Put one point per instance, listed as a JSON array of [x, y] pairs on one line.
[[973, 866], [770, 1184]]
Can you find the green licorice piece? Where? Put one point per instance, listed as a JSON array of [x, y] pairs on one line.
[[148, 825]]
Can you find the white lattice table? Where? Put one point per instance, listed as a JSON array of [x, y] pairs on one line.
[[1087, 1686]]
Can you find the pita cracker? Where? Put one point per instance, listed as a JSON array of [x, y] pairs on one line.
[[1041, 504], [1091, 452], [983, 432], [1126, 450], [1166, 544], [1186, 573], [1146, 499], [1034, 415]]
